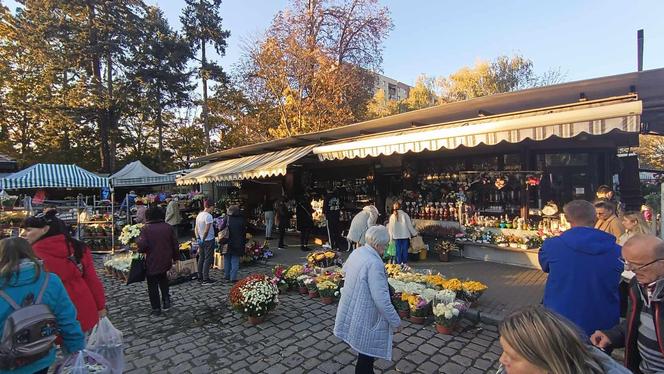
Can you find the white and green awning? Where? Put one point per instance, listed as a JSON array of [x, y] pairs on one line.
[[53, 176], [593, 118]]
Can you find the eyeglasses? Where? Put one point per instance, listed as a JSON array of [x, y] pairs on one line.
[[634, 267]]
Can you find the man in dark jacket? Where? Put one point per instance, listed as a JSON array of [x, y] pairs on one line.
[[641, 331], [305, 220], [584, 271], [283, 220], [236, 240], [158, 242]]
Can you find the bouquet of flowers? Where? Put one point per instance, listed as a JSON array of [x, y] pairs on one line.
[[417, 304], [453, 284], [130, 232], [254, 296], [394, 269], [436, 281], [447, 314], [279, 279], [445, 246], [398, 302], [472, 290], [292, 273], [327, 288], [323, 259]]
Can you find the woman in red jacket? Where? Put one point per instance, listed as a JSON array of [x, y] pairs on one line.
[[71, 260]]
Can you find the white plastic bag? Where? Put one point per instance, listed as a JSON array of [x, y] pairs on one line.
[[106, 341], [84, 362]]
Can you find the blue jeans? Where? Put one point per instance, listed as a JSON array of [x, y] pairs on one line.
[[402, 250], [269, 222], [231, 266]]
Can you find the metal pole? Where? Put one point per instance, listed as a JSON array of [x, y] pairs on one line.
[[661, 211], [639, 41]]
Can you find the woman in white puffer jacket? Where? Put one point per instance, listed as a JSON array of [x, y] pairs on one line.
[[401, 230], [361, 223]]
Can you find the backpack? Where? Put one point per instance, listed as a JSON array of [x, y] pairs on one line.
[[29, 331]]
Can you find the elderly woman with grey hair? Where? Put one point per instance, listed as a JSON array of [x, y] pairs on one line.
[[366, 318], [236, 239]]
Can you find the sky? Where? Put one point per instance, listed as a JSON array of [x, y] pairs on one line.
[[584, 39]]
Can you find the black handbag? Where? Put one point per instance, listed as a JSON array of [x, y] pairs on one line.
[[137, 270]]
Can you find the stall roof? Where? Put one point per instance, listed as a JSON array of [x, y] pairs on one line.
[[257, 166], [137, 174], [648, 85], [53, 176], [592, 118]]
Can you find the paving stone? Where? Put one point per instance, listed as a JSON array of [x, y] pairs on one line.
[[258, 367], [427, 349], [451, 368], [344, 358], [461, 360], [482, 364], [474, 371], [406, 366], [428, 367]]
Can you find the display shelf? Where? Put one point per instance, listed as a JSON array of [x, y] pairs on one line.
[[104, 243]]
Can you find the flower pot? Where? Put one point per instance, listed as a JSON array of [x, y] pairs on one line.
[[303, 290], [447, 330], [313, 294], [417, 320], [256, 320], [443, 256], [404, 314], [327, 300]]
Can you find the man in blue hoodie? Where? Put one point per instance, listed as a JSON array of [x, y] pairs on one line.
[[584, 271]]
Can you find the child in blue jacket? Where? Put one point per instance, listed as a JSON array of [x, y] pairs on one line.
[[21, 274]]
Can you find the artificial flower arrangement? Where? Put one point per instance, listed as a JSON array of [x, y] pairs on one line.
[[130, 233], [472, 290], [447, 314], [254, 296], [323, 259]]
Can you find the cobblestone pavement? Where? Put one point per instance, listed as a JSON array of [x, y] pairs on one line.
[[201, 334]]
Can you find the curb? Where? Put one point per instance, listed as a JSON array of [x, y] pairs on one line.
[[476, 316]]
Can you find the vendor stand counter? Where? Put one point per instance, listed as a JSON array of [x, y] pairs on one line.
[[504, 253]]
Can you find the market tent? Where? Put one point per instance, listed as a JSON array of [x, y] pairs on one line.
[[257, 166], [593, 118], [53, 176], [137, 174]]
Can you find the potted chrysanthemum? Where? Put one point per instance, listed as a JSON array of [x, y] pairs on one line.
[[447, 315], [327, 290], [254, 296]]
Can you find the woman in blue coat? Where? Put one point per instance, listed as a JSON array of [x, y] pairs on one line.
[[366, 318], [22, 275]]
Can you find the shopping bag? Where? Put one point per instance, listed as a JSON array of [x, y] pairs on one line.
[[417, 244], [137, 269], [391, 249], [106, 341], [84, 362]]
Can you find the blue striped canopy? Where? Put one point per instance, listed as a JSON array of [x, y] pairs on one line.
[[53, 176]]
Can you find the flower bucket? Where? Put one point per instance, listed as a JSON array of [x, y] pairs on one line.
[[443, 256], [313, 294], [404, 314], [303, 290], [256, 320], [327, 300], [417, 320], [447, 330]]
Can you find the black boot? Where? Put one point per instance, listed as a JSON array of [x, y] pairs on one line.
[[167, 303], [155, 312]]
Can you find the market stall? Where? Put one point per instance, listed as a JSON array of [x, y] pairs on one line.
[[94, 223]]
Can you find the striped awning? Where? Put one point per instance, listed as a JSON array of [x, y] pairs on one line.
[[53, 176], [593, 118], [249, 167]]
